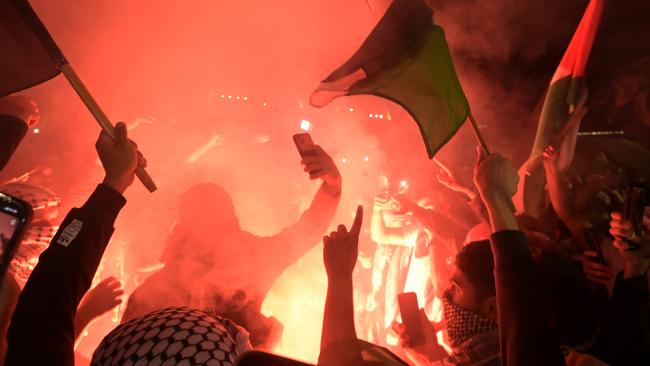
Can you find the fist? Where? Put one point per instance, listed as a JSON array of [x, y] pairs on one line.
[[495, 175], [341, 248], [120, 158], [22, 107]]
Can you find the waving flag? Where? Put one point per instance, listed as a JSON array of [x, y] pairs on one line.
[[405, 59], [566, 91], [29, 55]]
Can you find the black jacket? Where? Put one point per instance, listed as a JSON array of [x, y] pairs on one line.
[[42, 327]]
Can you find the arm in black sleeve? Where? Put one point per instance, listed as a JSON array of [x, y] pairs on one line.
[[42, 328], [525, 335], [12, 131]]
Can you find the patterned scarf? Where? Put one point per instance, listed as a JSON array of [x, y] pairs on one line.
[[463, 324]]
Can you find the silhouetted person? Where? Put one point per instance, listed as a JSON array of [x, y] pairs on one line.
[[209, 259]]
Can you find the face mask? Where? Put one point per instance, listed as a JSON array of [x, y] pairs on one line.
[[463, 324]]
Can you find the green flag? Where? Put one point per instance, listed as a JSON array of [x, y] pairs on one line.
[[405, 59]]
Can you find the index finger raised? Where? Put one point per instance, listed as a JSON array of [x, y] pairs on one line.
[[358, 220]]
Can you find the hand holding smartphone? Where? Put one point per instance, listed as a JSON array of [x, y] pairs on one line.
[[15, 216], [410, 311], [304, 143], [634, 209]]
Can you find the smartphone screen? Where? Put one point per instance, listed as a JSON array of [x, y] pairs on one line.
[[410, 311], [15, 216]]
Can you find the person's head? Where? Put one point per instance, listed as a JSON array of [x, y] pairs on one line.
[[209, 207], [472, 281], [174, 336], [206, 215], [264, 332]]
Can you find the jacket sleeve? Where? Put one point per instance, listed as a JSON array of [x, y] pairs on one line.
[[525, 336], [12, 131], [42, 327]]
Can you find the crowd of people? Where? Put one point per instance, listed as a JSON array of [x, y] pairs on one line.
[[569, 288]]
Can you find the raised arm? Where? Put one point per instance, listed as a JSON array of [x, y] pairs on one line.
[[340, 253], [558, 191], [524, 340], [296, 240], [44, 316], [98, 301]]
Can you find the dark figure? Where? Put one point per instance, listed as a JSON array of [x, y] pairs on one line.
[[211, 263]]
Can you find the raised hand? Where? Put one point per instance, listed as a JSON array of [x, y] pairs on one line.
[[320, 165], [102, 298], [624, 234], [120, 158], [341, 249], [550, 156], [22, 107], [495, 175]]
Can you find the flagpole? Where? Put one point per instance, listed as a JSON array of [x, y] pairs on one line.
[[478, 134], [101, 117]]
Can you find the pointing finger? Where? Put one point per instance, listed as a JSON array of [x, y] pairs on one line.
[[358, 220]]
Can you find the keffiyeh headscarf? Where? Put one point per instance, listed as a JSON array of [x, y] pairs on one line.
[[175, 335], [463, 324]]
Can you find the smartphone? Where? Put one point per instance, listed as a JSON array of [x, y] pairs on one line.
[[304, 143], [634, 209], [15, 216], [410, 311]]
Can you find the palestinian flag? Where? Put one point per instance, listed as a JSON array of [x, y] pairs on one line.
[[405, 59], [565, 92], [567, 83], [29, 55]]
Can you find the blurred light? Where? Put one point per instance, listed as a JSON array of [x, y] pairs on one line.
[[351, 109], [245, 98], [264, 104], [370, 115], [365, 158], [305, 125], [230, 97], [222, 96], [376, 116], [36, 130], [381, 116], [344, 160], [262, 139], [237, 97], [404, 184]]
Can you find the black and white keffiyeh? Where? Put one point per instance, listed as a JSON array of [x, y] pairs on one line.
[[173, 336]]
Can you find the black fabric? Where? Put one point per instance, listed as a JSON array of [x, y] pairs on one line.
[[526, 338], [625, 339], [266, 359], [42, 327], [29, 54], [12, 132]]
